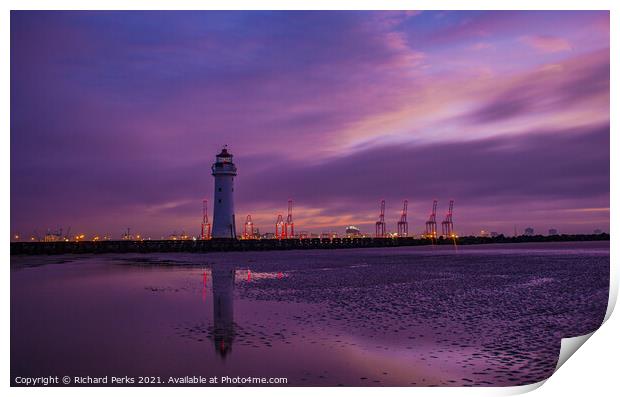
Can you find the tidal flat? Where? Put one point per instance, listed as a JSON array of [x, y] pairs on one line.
[[412, 316]]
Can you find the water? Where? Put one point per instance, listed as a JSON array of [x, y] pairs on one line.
[[482, 315]]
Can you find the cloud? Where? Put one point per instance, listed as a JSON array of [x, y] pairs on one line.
[[552, 88], [565, 167], [481, 46], [545, 164], [553, 169], [547, 43], [116, 116]]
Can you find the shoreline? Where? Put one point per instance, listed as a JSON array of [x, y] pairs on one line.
[[226, 245]]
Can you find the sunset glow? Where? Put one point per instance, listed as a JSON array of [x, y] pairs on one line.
[[116, 118]]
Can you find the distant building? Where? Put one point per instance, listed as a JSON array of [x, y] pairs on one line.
[[352, 231], [529, 231], [128, 236], [53, 236], [484, 233], [494, 234], [598, 231], [173, 236], [553, 232], [329, 235], [268, 236]]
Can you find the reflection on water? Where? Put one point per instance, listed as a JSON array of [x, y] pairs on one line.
[[223, 278], [398, 317], [223, 308]]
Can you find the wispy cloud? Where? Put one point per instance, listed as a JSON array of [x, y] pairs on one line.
[[481, 46], [547, 43], [335, 109]]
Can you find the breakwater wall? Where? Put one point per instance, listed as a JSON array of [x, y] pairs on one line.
[[219, 245]]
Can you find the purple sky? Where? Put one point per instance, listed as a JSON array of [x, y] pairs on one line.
[[116, 118]]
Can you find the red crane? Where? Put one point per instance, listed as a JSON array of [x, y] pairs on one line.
[[403, 225], [248, 228], [380, 225], [205, 232], [431, 224], [289, 227], [447, 227], [280, 228]]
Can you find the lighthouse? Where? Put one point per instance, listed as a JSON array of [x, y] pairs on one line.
[[224, 172]]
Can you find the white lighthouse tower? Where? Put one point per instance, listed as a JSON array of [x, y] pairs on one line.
[[224, 172]]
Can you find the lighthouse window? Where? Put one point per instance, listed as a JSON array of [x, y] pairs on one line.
[[219, 200], [219, 189]]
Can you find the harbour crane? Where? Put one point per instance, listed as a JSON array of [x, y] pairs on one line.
[[280, 228], [380, 224], [447, 227], [289, 231], [403, 225], [431, 224]]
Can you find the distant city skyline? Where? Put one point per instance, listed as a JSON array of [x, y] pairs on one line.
[[116, 118]]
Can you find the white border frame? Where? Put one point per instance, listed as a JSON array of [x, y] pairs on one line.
[[593, 371]]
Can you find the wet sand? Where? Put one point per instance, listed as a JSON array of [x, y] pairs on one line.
[[416, 316]]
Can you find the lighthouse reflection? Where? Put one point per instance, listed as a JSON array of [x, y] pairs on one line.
[[223, 278]]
